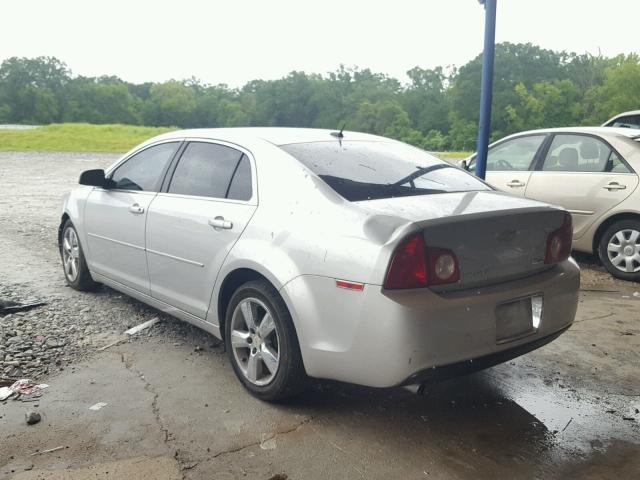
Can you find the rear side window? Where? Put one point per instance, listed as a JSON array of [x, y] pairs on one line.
[[143, 171], [630, 121], [372, 170], [240, 187], [207, 170], [581, 153]]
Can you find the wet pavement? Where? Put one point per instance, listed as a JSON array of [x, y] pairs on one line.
[[570, 410]]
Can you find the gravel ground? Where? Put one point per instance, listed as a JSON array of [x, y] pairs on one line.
[[71, 326]]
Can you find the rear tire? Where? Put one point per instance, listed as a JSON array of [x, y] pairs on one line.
[[619, 250], [74, 265], [262, 344]]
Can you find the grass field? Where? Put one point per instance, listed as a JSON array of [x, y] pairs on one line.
[[77, 137], [85, 137]]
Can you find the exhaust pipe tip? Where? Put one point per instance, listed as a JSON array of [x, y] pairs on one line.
[[416, 388]]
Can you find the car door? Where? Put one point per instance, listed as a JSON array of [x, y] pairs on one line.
[[583, 174], [115, 218], [192, 225], [509, 163]]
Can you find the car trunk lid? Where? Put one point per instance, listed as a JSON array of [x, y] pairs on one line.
[[495, 237]]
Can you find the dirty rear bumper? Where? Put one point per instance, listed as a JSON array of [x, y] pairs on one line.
[[383, 338], [475, 364]]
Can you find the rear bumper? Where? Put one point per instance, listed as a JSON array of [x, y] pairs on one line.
[[476, 364], [381, 339]]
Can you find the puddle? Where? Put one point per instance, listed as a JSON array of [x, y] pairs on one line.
[[579, 422]]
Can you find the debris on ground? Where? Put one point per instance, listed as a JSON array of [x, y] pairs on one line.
[[8, 306], [5, 392], [112, 344], [98, 406], [23, 389], [46, 451], [142, 326], [32, 417]]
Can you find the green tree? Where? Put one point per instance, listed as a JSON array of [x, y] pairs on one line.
[[101, 101], [32, 88], [619, 91], [170, 103]]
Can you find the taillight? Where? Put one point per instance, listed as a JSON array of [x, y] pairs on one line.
[[559, 242], [415, 266], [443, 266], [408, 268]]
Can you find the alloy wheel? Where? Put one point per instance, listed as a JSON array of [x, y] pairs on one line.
[[623, 250], [255, 341], [70, 254]]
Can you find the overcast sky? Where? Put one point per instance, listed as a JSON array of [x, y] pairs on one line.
[[233, 41]]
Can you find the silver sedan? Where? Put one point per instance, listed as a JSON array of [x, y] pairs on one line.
[[324, 254]]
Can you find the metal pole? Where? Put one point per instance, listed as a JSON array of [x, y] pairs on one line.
[[486, 92]]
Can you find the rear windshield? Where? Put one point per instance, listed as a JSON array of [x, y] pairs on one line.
[[371, 170]]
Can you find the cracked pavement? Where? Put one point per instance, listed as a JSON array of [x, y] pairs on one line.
[[176, 411]]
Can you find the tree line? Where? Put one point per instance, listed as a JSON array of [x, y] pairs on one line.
[[437, 109]]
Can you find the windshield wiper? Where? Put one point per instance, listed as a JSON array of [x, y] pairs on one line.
[[419, 172]]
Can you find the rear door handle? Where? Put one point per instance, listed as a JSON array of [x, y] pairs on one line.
[[614, 186], [220, 223], [515, 183], [137, 209]]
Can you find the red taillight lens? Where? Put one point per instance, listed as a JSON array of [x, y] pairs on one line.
[[408, 268], [414, 266], [559, 242]]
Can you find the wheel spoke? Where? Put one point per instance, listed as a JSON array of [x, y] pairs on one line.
[[629, 264], [74, 269], [270, 359], [617, 260], [67, 265], [612, 247], [247, 312], [239, 339], [633, 238], [66, 245], [267, 326], [253, 365], [620, 237]]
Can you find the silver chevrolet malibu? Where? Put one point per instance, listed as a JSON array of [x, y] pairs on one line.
[[324, 254]]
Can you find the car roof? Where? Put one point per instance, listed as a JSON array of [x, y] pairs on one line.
[[601, 131], [624, 114], [275, 135]]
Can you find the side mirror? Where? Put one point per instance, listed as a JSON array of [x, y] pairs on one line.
[[464, 165], [95, 178]]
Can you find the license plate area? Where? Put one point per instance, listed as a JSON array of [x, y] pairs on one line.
[[518, 318]]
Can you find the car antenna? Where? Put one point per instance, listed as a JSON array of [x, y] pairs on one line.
[[339, 134]]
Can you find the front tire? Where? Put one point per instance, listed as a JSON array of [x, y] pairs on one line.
[[74, 264], [262, 344], [619, 250]]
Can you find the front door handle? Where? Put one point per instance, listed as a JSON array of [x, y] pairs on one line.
[[137, 209], [515, 183], [220, 223], [614, 186]]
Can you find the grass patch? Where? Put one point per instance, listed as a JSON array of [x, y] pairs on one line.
[[77, 137], [453, 155]]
